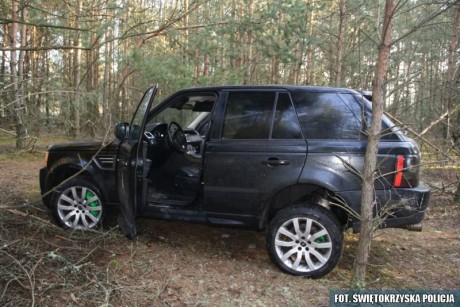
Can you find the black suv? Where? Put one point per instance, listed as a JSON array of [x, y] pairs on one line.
[[281, 158]]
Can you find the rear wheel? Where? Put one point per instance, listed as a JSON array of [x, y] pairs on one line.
[[305, 241], [77, 204]]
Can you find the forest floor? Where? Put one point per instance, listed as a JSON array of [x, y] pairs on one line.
[[175, 263]]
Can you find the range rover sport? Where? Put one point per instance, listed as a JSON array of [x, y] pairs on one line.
[[285, 159]]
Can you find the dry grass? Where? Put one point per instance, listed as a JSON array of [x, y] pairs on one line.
[[175, 263]]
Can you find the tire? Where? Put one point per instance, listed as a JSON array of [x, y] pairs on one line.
[[77, 204], [300, 251]]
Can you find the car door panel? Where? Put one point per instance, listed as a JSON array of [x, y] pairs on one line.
[[241, 178], [131, 167], [242, 171]]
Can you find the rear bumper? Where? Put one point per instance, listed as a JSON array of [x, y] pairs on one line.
[[400, 208], [409, 206]]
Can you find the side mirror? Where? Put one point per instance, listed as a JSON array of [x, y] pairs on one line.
[[121, 130]]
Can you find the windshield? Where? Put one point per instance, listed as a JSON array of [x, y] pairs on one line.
[[183, 117]]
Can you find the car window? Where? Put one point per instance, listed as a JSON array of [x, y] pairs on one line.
[[138, 117], [389, 130], [285, 124], [326, 116], [187, 110], [248, 115]]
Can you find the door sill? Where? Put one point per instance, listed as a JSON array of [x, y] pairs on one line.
[[168, 200], [168, 203]]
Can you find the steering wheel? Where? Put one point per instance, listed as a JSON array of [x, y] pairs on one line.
[[176, 137]]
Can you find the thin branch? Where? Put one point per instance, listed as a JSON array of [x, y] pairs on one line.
[[167, 280], [370, 38], [33, 94], [41, 25], [423, 139], [434, 123], [44, 48], [20, 213], [423, 22], [149, 34], [28, 274], [8, 132]]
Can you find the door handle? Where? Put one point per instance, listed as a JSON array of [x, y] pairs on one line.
[[275, 162]]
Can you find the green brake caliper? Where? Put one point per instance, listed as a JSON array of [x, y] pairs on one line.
[[321, 239], [95, 203]]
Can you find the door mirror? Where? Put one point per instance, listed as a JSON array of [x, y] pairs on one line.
[[121, 130]]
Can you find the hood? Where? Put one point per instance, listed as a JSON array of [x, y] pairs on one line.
[[85, 145]]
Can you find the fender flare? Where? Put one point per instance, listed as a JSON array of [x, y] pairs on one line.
[[66, 167]]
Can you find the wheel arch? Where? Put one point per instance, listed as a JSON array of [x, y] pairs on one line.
[[311, 194], [63, 170]]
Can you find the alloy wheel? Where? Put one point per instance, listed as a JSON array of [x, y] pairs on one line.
[[303, 244], [79, 207]]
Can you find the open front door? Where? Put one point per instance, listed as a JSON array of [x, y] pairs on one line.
[[131, 164]]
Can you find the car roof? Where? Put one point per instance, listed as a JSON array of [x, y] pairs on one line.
[[291, 88]]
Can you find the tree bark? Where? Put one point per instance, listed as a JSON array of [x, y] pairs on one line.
[[367, 197], [107, 76], [249, 56], [450, 89], [340, 43], [3, 96], [21, 131], [76, 76]]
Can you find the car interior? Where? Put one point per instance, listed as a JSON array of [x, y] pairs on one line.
[[176, 140]]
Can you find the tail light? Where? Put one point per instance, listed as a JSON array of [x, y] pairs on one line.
[[406, 171], [399, 171]]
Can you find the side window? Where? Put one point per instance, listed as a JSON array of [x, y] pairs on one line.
[[138, 118], [388, 128], [388, 132], [248, 115], [327, 116], [285, 124]]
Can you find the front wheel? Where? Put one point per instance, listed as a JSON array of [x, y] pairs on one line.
[[305, 241], [77, 205]]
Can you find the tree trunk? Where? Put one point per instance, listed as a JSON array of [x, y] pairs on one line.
[[275, 70], [367, 197], [185, 51], [295, 74], [340, 43], [21, 131], [107, 80], [275, 65], [450, 86], [309, 67], [249, 62], [76, 76], [22, 71], [3, 95]]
